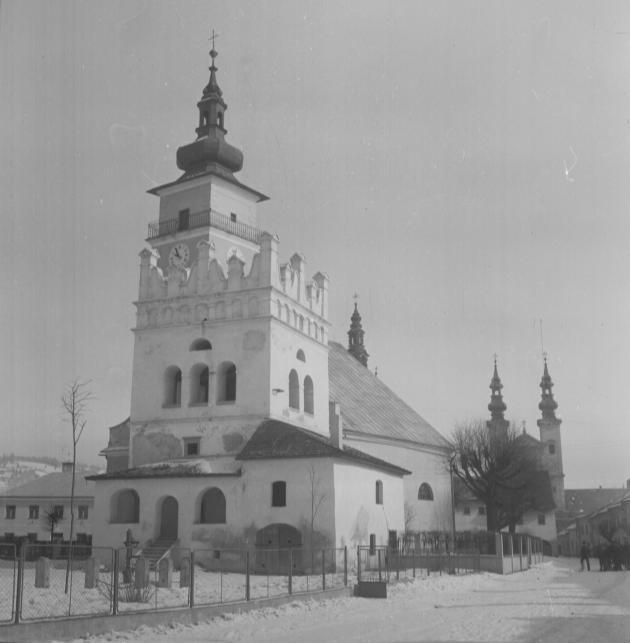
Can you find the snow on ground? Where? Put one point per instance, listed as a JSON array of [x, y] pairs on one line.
[[552, 602]]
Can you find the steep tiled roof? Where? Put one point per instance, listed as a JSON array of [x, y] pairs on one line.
[[274, 439], [580, 502], [53, 485], [369, 407]]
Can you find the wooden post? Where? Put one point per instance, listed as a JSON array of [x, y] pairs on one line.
[[323, 569], [413, 561], [115, 584], [378, 553], [345, 566], [290, 572], [247, 594], [191, 589], [358, 563], [20, 585]]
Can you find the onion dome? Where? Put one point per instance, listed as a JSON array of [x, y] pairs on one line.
[[355, 337], [497, 406], [547, 404], [210, 152]]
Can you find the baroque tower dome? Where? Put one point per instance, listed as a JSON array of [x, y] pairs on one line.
[[355, 338], [210, 152], [547, 403]]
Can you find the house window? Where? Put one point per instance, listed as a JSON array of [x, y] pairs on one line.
[[425, 492], [83, 539], [279, 494], [57, 536], [294, 390], [125, 507], [552, 448], [212, 510], [233, 217], [58, 511], [379, 492], [191, 446], [10, 512], [83, 512], [201, 345], [482, 511], [199, 382], [31, 537], [300, 355], [372, 544], [309, 406], [226, 385], [172, 387], [466, 510], [33, 512], [9, 535], [541, 519]]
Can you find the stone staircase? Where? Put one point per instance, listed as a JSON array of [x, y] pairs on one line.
[[154, 550]]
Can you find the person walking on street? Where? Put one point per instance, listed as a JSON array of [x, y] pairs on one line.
[[584, 554]]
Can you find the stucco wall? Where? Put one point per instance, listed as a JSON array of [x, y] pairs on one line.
[[356, 513], [248, 505], [425, 466]]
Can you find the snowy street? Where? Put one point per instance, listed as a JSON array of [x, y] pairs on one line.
[[554, 602]]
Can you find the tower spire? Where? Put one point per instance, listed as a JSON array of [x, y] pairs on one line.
[[356, 335], [210, 152], [497, 406], [547, 404]]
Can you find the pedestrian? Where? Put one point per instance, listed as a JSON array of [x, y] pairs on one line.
[[584, 554]]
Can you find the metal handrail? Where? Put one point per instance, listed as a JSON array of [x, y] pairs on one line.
[[203, 218]]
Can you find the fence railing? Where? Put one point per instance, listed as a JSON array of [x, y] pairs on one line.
[[36, 583], [210, 218]]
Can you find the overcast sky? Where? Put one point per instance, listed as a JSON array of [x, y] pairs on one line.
[[463, 166]]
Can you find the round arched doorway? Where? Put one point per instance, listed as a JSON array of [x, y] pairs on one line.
[[169, 514]]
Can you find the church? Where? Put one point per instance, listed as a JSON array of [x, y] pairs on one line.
[[547, 487], [249, 427]]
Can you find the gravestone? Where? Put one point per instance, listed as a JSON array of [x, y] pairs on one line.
[[42, 572], [91, 573], [184, 573], [165, 572], [141, 577]]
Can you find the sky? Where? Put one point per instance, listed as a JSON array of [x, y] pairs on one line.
[[463, 167]]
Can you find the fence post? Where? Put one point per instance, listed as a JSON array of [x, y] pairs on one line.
[[323, 569], [413, 561], [398, 564], [20, 584], [115, 585], [247, 575], [358, 564], [191, 585], [427, 555], [290, 572], [345, 566], [379, 565]]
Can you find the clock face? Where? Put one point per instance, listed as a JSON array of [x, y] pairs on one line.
[[179, 255]]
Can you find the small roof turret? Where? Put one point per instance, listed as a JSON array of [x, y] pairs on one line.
[[355, 337], [497, 406], [547, 404]]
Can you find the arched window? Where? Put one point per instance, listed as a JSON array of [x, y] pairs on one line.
[[279, 493], [199, 383], [552, 448], [300, 355], [226, 384], [125, 506], [308, 395], [201, 344], [172, 386], [379, 492], [212, 508], [294, 390], [425, 492]]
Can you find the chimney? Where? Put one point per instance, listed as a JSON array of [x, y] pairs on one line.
[[335, 423], [66, 467]]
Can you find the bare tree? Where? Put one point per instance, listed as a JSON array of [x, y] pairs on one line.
[[74, 403], [318, 496], [498, 468], [409, 517], [51, 518]]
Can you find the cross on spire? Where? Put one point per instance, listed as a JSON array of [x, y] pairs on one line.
[[212, 37]]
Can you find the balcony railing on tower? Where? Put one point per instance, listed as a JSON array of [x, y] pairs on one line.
[[187, 221]]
